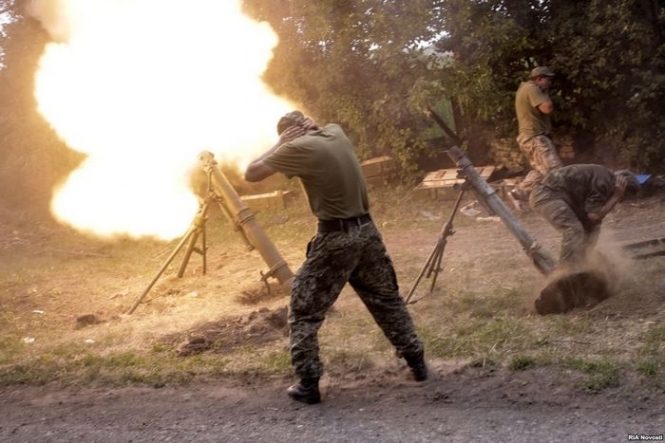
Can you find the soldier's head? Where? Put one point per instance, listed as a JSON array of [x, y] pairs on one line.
[[293, 118], [541, 75], [633, 184]]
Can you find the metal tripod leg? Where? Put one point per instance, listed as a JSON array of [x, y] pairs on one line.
[[199, 228], [433, 264], [196, 228]]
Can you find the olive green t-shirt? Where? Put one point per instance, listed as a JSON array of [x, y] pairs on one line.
[[330, 172], [530, 120]]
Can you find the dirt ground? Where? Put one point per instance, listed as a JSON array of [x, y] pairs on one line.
[[94, 285]]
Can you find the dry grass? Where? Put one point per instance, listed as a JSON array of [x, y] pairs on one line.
[[480, 311]]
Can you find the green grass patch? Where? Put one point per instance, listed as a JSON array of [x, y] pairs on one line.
[[567, 326], [277, 361], [348, 359], [521, 363], [121, 368], [651, 356], [483, 362], [498, 336], [485, 306], [654, 341], [602, 373], [649, 367]]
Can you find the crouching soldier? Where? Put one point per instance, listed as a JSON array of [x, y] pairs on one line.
[[574, 200]]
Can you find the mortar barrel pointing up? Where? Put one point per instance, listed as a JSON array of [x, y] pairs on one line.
[[247, 222]]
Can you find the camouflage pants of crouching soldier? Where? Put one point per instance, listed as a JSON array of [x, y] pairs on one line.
[[578, 237], [359, 257], [543, 157]]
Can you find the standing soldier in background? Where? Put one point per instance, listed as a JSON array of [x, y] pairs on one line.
[[533, 106], [346, 248]]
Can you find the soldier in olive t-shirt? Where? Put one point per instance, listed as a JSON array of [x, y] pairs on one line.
[[347, 248], [327, 165], [533, 107]]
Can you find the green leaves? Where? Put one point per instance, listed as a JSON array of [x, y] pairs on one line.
[[365, 65]]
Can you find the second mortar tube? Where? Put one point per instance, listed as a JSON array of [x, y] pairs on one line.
[[540, 258]]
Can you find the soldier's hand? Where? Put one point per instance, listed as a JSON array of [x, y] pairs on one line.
[[620, 185], [308, 124], [291, 134]]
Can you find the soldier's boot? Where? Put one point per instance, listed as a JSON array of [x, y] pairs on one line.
[[417, 364], [305, 391]]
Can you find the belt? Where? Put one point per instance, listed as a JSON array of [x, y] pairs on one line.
[[343, 224]]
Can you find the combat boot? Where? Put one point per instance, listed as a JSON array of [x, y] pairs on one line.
[[417, 364], [306, 391]]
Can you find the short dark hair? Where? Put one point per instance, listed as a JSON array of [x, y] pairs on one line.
[[293, 118]]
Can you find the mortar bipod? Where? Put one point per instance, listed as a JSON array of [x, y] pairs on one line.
[[196, 229], [433, 264]]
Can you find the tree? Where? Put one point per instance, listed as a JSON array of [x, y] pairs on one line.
[[356, 63], [612, 56], [32, 158], [609, 59]]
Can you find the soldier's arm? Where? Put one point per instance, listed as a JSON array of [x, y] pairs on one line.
[[258, 170], [540, 99], [619, 191], [547, 106]]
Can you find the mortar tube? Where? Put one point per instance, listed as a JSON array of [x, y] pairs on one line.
[[255, 235], [541, 259]]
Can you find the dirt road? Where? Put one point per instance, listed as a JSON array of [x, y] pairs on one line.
[[471, 405]]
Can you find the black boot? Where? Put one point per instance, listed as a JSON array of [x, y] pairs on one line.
[[417, 364], [306, 391]]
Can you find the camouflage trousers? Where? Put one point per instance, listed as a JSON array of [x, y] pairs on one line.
[[543, 157], [578, 238], [359, 257]]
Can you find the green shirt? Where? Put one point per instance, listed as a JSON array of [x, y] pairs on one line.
[[327, 165], [530, 120], [585, 188]]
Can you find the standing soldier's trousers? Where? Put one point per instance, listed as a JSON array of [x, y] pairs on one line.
[[358, 256], [543, 157]]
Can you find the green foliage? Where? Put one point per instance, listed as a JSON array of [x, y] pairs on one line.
[[355, 63], [32, 159], [602, 373], [521, 363], [480, 337], [487, 306], [651, 356], [612, 61], [650, 367], [360, 64]]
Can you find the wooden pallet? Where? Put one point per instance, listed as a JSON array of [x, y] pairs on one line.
[[441, 183]]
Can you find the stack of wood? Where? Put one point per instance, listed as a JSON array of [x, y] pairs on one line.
[[505, 152], [379, 170]]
